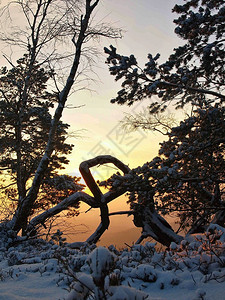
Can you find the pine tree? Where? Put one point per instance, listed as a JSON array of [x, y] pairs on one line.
[[193, 73], [188, 175], [24, 135]]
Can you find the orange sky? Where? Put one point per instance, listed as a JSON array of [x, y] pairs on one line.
[[148, 29]]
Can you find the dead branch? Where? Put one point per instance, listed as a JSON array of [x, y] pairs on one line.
[[98, 201]]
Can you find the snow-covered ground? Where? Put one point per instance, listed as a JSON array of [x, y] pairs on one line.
[[36, 269]]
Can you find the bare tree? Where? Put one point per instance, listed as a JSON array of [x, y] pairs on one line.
[[48, 26], [144, 120]]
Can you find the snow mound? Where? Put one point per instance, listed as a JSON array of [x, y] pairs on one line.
[[36, 269]]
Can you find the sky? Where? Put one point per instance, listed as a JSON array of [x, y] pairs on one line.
[[147, 28]]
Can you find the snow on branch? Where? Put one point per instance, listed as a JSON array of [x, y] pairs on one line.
[[63, 205], [98, 201], [152, 223]]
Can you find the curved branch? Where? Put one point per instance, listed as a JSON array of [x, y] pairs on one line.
[[99, 160], [126, 212], [70, 201], [98, 201], [152, 223], [101, 199]]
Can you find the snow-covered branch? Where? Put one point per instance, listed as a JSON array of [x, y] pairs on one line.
[[20, 218], [98, 201], [65, 204]]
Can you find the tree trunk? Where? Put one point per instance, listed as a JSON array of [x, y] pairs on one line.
[[25, 206], [155, 226], [98, 201]]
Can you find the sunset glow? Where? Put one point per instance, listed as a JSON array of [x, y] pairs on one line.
[[148, 27]]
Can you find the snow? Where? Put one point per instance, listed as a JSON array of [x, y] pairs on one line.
[[99, 261], [31, 285], [191, 270]]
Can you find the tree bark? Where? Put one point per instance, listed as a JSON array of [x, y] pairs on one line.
[[25, 206], [65, 204], [155, 226], [97, 201]]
